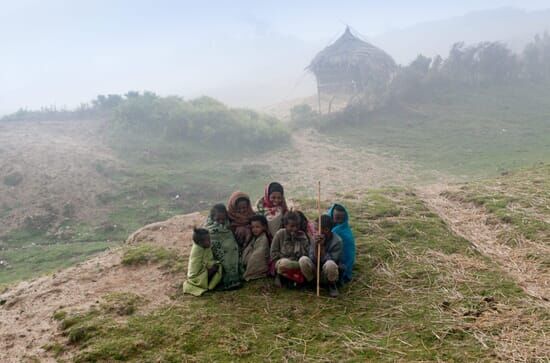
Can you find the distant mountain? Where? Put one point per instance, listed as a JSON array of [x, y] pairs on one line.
[[513, 26]]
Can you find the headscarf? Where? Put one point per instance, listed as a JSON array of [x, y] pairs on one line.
[[348, 252], [268, 206], [240, 222]]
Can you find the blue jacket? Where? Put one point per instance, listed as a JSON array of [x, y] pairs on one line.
[[348, 251]]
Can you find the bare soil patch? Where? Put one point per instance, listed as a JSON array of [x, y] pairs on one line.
[[51, 171], [26, 316], [341, 169]]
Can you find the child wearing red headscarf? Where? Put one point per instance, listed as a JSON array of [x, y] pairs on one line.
[[240, 211], [273, 206]]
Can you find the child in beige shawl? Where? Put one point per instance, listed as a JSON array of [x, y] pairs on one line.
[[256, 254]]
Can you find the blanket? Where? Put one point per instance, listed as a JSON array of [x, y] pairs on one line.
[[348, 251]]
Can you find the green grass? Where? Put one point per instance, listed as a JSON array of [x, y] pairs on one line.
[[31, 261], [420, 294], [146, 192], [121, 303], [462, 132]]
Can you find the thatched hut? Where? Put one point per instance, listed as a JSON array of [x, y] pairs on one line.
[[351, 67]]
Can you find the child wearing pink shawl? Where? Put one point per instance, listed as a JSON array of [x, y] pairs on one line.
[[273, 206], [240, 211]]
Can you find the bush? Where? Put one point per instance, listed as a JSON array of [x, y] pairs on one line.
[[13, 179], [203, 120], [160, 122], [303, 116]]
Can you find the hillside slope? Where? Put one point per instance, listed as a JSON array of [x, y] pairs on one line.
[[464, 132], [151, 272], [421, 292]]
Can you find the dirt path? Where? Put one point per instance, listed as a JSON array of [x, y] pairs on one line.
[[26, 317], [341, 169], [471, 222]]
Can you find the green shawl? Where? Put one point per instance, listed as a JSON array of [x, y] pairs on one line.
[[200, 260], [226, 250]]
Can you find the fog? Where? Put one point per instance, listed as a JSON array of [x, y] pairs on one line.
[[247, 54], [151, 149]]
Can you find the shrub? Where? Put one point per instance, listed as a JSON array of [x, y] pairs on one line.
[[13, 179], [203, 120], [303, 116]]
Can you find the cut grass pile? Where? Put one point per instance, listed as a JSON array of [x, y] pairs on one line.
[[520, 199], [420, 293]]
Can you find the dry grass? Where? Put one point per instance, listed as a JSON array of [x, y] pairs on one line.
[[421, 293], [525, 260]]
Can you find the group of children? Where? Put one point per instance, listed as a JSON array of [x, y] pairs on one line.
[[238, 244]]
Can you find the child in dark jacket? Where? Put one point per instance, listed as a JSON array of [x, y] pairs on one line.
[[289, 244], [331, 251]]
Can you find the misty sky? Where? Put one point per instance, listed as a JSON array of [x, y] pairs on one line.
[[243, 52]]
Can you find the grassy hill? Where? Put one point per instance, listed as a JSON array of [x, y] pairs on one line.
[[464, 132], [420, 293], [155, 157]]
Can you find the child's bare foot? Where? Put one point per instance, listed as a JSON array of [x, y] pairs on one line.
[[277, 281]]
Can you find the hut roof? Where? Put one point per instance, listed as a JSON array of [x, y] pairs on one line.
[[348, 50]]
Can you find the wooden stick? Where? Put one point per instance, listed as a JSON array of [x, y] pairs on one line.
[[318, 245]]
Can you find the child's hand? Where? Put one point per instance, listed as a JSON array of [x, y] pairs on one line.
[[320, 239], [212, 271]]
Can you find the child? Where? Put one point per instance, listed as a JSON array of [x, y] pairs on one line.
[[273, 206], [307, 226], [341, 227], [288, 245], [240, 211], [256, 254], [203, 272], [331, 250], [224, 247]]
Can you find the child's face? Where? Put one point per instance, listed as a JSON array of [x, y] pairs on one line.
[[326, 232], [276, 198], [220, 217], [291, 227], [205, 243], [242, 206], [257, 228], [338, 217]]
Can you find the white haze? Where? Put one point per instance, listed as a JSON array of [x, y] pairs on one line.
[[244, 61]]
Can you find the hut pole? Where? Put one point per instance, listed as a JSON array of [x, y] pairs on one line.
[[318, 245], [318, 97]]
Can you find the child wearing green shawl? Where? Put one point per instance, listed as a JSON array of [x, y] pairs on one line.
[[203, 272], [225, 247]]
